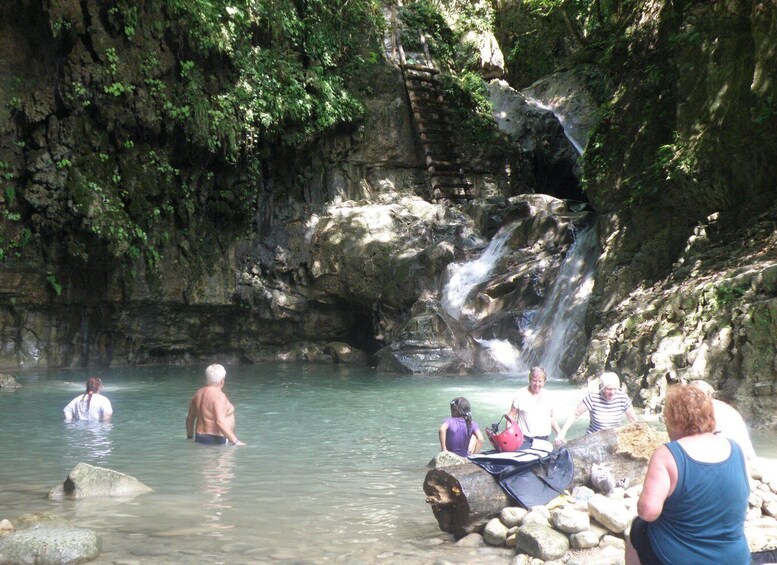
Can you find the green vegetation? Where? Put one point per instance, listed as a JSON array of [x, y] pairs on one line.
[[179, 132], [286, 69]]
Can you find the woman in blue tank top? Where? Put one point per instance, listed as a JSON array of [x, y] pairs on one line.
[[694, 499]]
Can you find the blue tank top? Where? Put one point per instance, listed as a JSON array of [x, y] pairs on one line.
[[703, 521]]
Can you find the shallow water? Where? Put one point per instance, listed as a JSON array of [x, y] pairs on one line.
[[332, 471]]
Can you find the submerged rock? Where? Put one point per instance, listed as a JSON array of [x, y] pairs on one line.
[[87, 481], [8, 382], [50, 546]]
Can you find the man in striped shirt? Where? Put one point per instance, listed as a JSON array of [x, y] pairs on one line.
[[605, 407]]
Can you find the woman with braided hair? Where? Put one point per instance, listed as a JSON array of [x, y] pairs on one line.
[[458, 431], [91, 405]]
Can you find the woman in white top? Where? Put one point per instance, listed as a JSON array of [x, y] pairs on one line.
[[91, 405]]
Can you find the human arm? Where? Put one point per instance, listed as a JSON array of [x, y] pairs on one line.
[[478, 435], [658, 484], [443, 432], [106, 410], [224, 418], [581, 408], [69, 412], [632, 417], [191, 418], [513, 413], [554, 425]]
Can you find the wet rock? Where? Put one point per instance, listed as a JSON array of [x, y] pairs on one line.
[[50, 546], [41, 520], [541, 541], [8, 382], [445, 459], [512, 516], [495, 532], [87, 481], [612, 514]]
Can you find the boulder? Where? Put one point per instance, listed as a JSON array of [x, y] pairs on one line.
[[446, 459], [88, 481], [8, 382], [50, 546], [433, 342], [542, 542], [40, 520]]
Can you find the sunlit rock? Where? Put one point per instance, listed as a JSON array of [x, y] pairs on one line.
[[87, 481]]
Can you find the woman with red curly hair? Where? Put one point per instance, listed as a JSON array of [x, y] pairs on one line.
[[694, 497]]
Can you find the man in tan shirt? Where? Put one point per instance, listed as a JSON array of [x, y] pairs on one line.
[[212, 411]]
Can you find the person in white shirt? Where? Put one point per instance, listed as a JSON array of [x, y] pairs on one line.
[[91, 405], [532, 407], [728, 422]]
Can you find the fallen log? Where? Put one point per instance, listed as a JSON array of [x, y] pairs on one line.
[[465, 497]]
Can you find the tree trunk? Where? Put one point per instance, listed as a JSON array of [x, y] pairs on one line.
[[465, 497], [625, 451]]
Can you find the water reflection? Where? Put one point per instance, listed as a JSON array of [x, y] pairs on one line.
[[217, 469], [88, 441]]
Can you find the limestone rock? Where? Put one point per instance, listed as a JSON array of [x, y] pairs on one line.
[[542, 542], [50, 546], [471, 540], [8, 382], [486, 51], [612, 514], [445, 459], [512, 516], [495, 532], [570, 521], [41, 520], [584, 540], [87, 481]]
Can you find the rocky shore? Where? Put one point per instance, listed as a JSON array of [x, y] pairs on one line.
[[590, 525]]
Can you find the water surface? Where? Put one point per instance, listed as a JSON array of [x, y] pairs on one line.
[[332, 471]]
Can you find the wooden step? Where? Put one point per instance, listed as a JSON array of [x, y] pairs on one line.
[[421, 69], [425, 79], [421, 88], [442, 164], [429, 132], [428, 102]]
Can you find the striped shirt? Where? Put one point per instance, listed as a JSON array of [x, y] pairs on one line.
[[603, 414]]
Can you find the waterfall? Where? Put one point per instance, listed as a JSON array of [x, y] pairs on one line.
[[552, 329], [550, 332], [464, 277], [505, 353], [562, 120]]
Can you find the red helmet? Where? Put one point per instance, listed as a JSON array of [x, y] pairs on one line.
[[508, 440]]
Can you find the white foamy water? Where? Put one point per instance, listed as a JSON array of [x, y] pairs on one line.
[[548, 336], [464, 277], [561, 118], [504, 353]]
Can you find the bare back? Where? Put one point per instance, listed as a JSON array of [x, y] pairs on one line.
[[213, 412]]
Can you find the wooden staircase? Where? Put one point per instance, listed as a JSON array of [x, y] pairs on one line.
[[445, 174]]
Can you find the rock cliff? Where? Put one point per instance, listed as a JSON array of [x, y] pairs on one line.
[[343, 246]]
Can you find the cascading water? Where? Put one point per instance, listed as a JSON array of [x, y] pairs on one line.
[[464, 277], [562, 120], [551, 331]]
